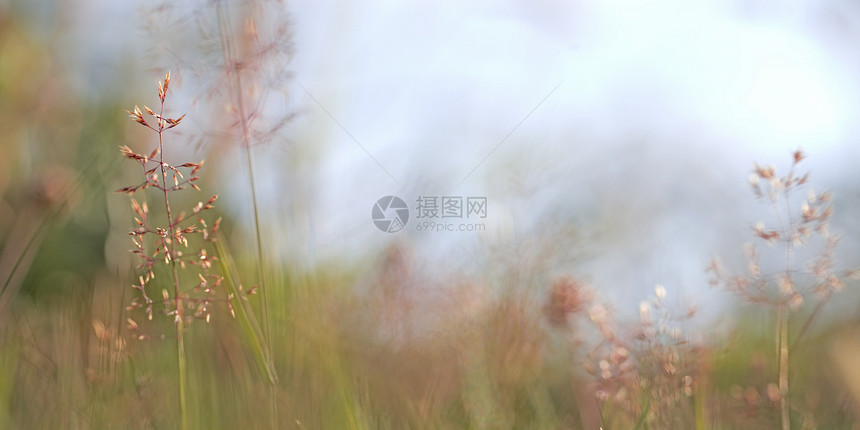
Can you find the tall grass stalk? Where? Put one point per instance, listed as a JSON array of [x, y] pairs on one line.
[[237, 94], [180, 318], [169, 236], [784, 312], [788, 288]]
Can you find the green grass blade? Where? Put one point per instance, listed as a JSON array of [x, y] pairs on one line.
[[244, 313], [641, 423]]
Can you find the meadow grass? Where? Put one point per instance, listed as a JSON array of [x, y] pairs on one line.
[[346, 360], [198, 332]]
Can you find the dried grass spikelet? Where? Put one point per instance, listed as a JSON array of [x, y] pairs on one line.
[[166, 179], [795, 224], [651, 362], [565, 298], [798, 276], [240, 61]]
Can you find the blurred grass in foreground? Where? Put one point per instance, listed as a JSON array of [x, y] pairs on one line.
[[354, 347], [350, 361]]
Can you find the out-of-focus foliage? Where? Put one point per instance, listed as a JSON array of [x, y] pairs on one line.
[[381, 345]]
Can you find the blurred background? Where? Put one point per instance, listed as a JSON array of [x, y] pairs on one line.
[[612, 140]]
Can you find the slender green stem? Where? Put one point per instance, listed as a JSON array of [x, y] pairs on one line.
[[261, 277], [261, 273], [784, 312], [244, 314], [35, 236], [807, 323], [180, 344], [699, 405], [228, 50], [643, 418], [785, 417], [177, 296]]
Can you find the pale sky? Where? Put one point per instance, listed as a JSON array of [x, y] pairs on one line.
[[429, 90]]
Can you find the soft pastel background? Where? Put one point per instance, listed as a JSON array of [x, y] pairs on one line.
[[612, 139]]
